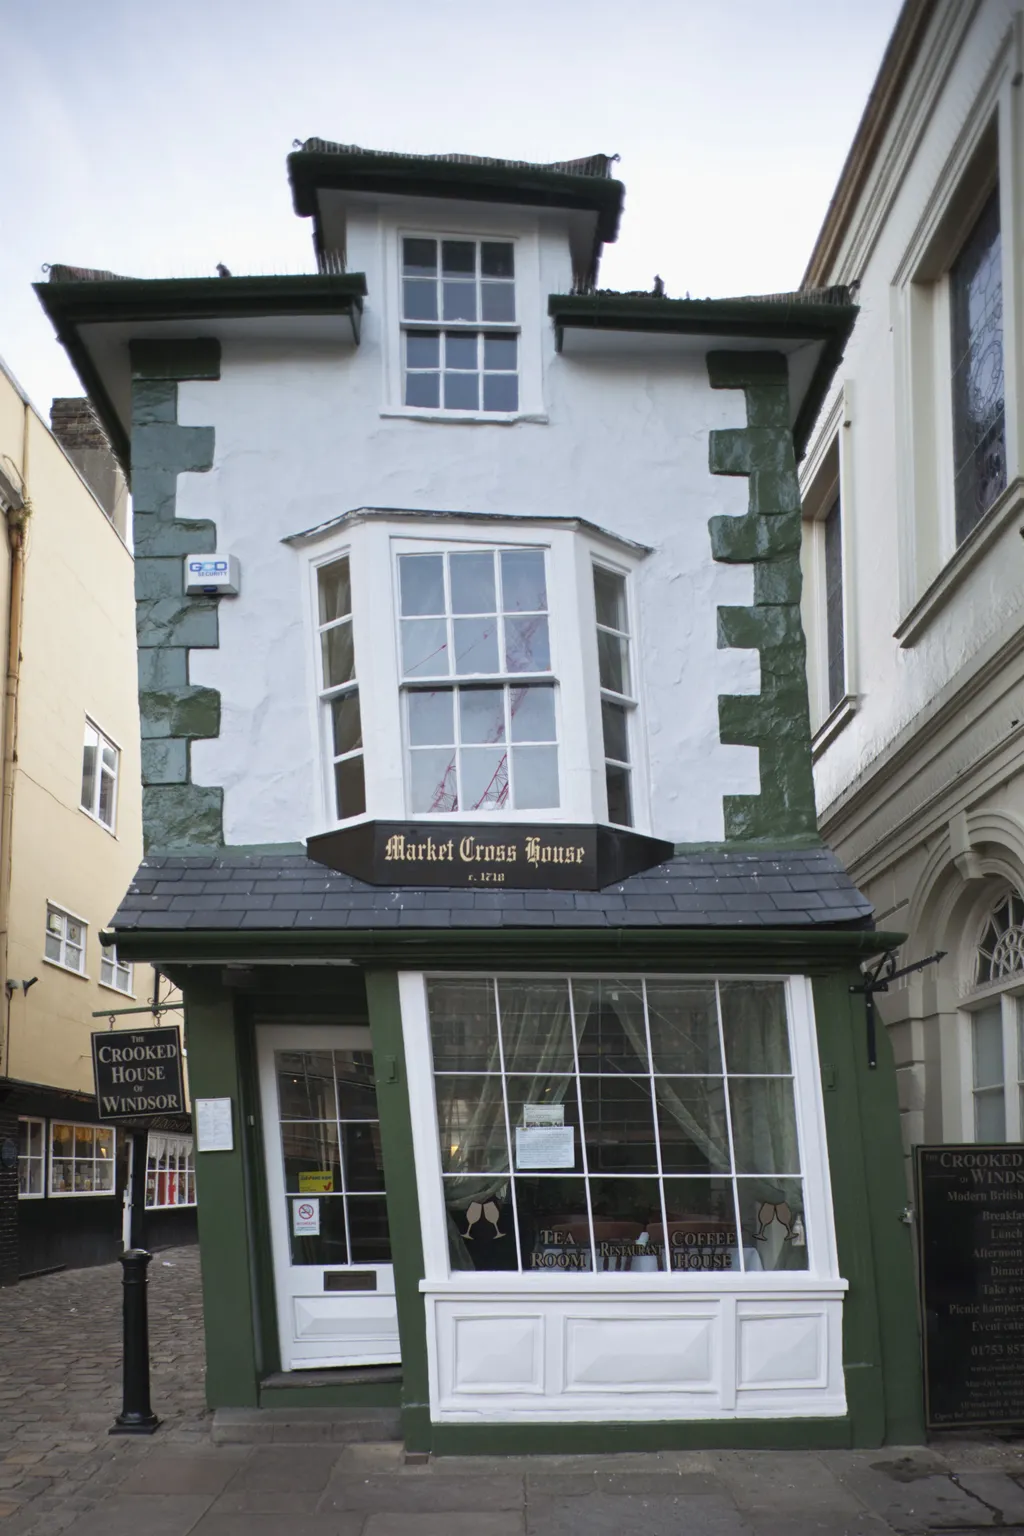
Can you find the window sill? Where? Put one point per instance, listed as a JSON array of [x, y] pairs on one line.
[[39, 1195], [178, 1205], [467, 418], [977, 543], [682, 1285], [108, 986], [81, 1194], [833, 723], [58, 965], [98, 823]]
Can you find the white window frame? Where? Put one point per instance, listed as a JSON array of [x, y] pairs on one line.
[[52, 1159], [167, 1145], [822, 1255], [372, 545], [826, 479], [629, 700], [34, 1194], [1005, 993], [121, 973], [528, 325], [327, 693], [93, 810], [67, 916]]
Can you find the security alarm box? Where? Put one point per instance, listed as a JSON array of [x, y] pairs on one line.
[[211, 575]]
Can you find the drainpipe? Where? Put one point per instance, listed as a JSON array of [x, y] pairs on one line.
[[16, 509]]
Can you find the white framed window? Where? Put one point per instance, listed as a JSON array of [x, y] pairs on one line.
[[31, 1157], [81, 1159], [114, 972], [995, 1023], [100, 762], [478, 691], [65, 939], [339, 692], [170, 1171], [587, 1124], [976, 370], [459, 328], [826, 599], [618, 701]]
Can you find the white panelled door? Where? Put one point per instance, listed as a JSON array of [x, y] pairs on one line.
[[325, 1181]]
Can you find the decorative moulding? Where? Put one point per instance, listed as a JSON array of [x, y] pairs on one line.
[[832, 724]]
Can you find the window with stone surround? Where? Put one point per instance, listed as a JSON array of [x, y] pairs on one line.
[[996, 1024]]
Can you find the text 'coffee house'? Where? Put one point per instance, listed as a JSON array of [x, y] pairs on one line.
[[534, 1098]]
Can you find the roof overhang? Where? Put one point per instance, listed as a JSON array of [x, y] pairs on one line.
[[418, 516], [811, 335], [96, 320]]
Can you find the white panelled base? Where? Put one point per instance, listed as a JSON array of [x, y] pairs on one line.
[[567, 1354]]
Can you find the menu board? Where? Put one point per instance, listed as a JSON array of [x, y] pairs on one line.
[[971, 1202]]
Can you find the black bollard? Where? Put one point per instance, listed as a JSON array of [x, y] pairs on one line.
[[136, 1416]]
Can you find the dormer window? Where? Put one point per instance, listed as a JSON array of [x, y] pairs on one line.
[[460, 337]]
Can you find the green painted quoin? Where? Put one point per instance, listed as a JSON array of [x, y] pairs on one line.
[[174, 713]]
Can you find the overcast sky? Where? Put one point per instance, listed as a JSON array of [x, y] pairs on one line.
[[150, 138]]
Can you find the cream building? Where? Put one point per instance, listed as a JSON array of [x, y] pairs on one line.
[[914, 569], [70, 828]]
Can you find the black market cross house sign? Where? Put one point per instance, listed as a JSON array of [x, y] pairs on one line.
[[138, 1073], [541, 857]]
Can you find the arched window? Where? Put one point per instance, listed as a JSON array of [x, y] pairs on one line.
[[997, 1024]]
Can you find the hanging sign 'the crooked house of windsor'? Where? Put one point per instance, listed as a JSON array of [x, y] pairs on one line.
[[138, 1072]]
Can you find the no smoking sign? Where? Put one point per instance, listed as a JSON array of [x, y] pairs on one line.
[[306, 1218]]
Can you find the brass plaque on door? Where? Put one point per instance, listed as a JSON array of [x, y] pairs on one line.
[[350, 1280]]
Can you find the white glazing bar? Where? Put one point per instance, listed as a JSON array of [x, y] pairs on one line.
[[728, 1124]]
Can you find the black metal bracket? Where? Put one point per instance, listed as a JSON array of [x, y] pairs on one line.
[[878, 981]]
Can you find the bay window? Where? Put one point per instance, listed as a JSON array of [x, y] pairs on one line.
[[339, 693], [617, 703], [640, 1124]]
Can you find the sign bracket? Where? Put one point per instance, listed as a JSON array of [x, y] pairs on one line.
[[878, 981]]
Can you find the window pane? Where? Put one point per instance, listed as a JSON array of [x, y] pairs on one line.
[[501, 392], [618, 1119], [421, 579], [350, 787], [89, 772], [481, 1226], [497, 258], [460, 351], [423, 349], [772, 1223], [305, 1085], [462, 391], [458, 257], [471, 1125], [346, 730], [553, 1225], [533, 713], [472, 583], [610, 1030], [106, 805], [419, 258], [536, 1028], [683, 1021], [979, 428], [500, 352], [701, 1227], [368, 1229], [424, 647], [613, 664], [74, 931], [357, 1096], [754, 1026], [423, 389], [52, 950], [364, 1165], [464, 1027], [497, 301], [476, 645], [523, 584], [834, 606], [310, 1147], [620, 795], [990, 1115], [430, 718], [420, 299], [338, 654], [107, 968], [988, 1046], [536, 778], [459, 301], [624, 1212], [434, 785], [484, 773], [538, 1103], [103, 1176], [610, 598], [331, 1246], [526, 643], [763, 1125], [482, 715], [615, 721]]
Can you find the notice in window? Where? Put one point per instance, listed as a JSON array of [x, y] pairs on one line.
[[545, 1146], [213, 1125], [306, 1218], [316, 1181]]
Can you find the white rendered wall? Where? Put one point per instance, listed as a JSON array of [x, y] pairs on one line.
[[963, 74], [301, 438]]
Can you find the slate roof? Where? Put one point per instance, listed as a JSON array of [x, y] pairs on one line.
[[713, 889]]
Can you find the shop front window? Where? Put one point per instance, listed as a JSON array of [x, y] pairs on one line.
[[81, 1159], [170, 1171], [637, 1125]]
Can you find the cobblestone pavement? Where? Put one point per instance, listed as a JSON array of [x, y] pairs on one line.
[[61, 1473]]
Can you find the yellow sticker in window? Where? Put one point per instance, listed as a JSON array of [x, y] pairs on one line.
[[319, 1181]]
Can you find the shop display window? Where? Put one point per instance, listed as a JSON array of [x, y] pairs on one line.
[[170, 1171], [630, 1124], [31, 1158], [81, 1159]]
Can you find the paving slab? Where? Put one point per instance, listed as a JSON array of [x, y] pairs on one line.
[[180, 1474], [132, 1514], [783, 1483], [541, 1486], [912, 1492], [1001, 1493], [636, 1515], [424, 1491], [226, 1524], [280, 1469], [486, 1524]]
